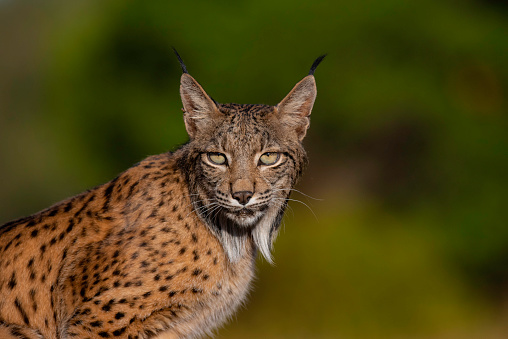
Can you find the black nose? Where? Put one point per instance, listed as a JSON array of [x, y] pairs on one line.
[[243, 197]]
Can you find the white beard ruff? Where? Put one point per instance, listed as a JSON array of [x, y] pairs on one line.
[[234, 237]]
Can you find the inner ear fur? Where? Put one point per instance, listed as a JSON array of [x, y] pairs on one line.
[[199, 108], [295, 109]]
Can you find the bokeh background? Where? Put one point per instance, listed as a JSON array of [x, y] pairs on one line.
[[406, 234]]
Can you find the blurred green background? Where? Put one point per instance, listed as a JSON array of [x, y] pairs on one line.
[[408, 234]]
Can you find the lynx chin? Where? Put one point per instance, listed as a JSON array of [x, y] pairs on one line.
[[166, 249]]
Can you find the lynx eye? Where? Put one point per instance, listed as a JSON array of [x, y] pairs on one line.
[[269, 158], [217, 158]]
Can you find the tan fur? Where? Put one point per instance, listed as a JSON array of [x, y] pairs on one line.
[[163, 250]]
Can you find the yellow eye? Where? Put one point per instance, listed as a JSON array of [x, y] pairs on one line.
[[217, 158], [269, 158]]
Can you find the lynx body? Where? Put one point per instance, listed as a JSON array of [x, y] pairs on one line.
[[167, 249]]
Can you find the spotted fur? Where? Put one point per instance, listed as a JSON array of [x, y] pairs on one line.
[[166, 249]]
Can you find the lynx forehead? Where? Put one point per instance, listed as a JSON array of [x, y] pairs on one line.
[[167, 248]]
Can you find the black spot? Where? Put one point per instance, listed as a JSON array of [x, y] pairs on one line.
[[16, 332], [34, 233], [21, 311], [119, 315], [106, 308], [104, 334], [71, 226], [85, 205], [194, 238], [12, 281], [68, 207], [119, 332], [76, 322], [163, 288], [97, 323], [147, 294], [182, 250], [131, 189], [196, 255], [197, 271], [107, 194], [8, 244], [172, 293]]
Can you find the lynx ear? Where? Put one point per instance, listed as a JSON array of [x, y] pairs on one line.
[[199, 108], [294, 110]]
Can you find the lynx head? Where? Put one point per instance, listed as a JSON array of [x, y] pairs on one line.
[[243, 160]]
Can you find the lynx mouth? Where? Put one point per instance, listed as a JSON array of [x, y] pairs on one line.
[[245, 216]]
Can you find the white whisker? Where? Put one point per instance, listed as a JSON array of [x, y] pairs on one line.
[[295, 190], [301, 202]]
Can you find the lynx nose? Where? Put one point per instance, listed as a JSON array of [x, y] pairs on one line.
[[243, 197]]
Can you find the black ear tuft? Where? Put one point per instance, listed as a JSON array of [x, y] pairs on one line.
[[315, 64], [184, 68]]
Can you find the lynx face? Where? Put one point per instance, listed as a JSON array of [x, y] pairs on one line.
[[244, 160], [247, 167]]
